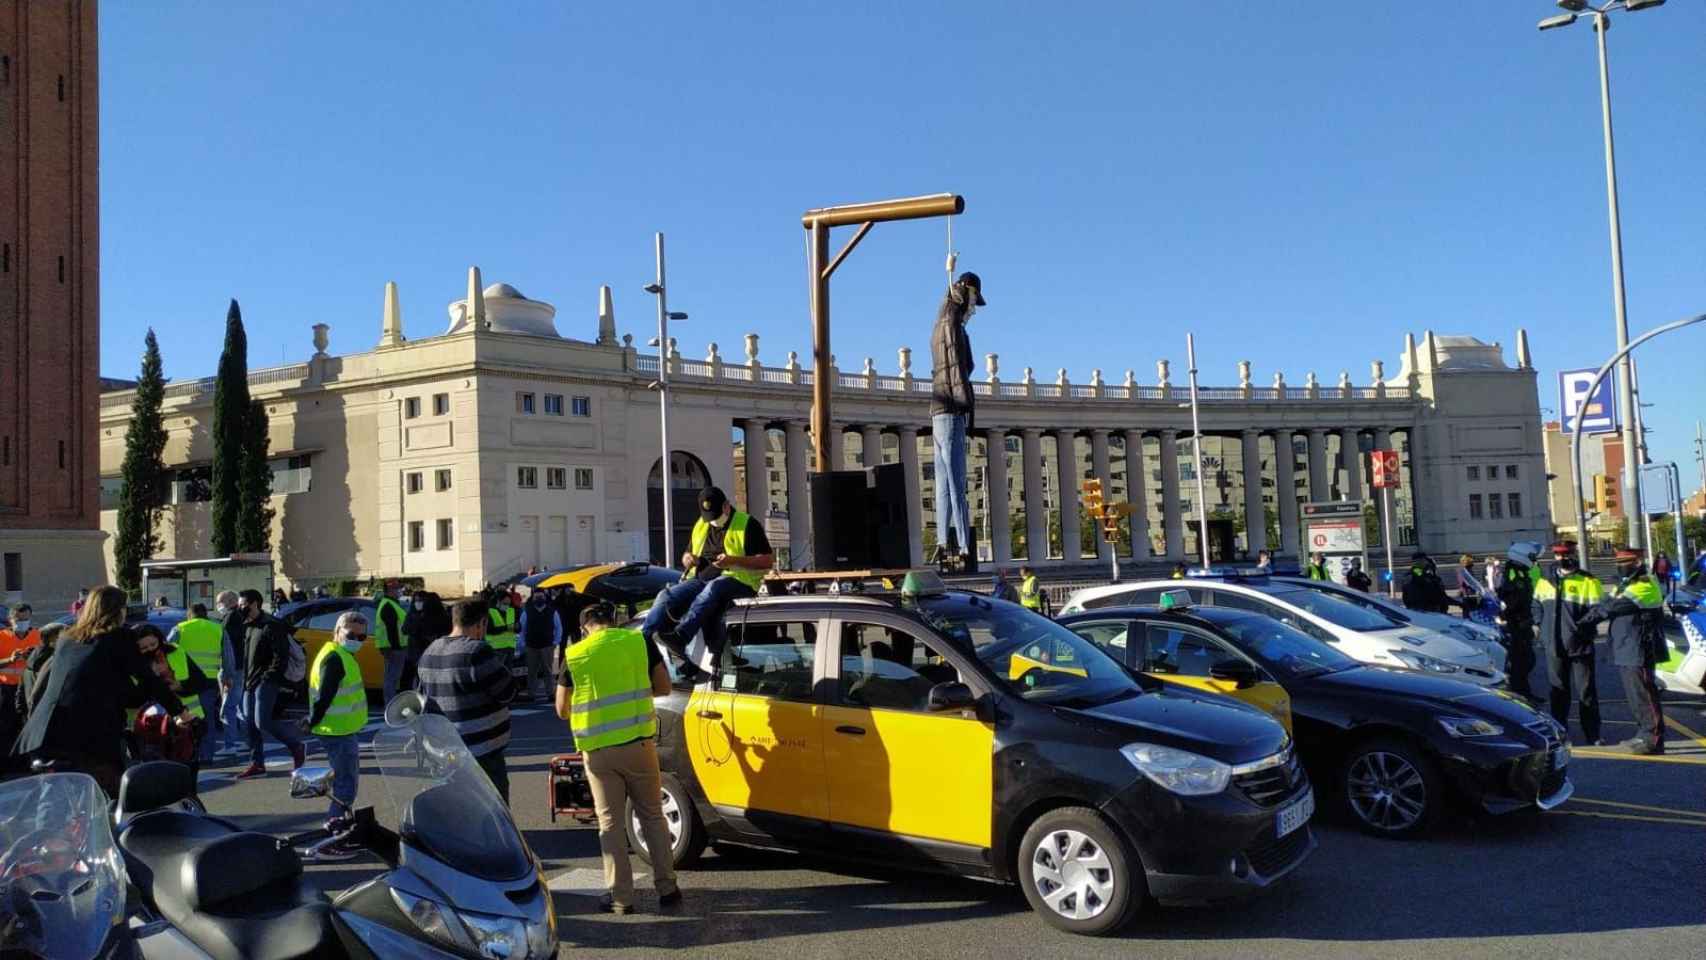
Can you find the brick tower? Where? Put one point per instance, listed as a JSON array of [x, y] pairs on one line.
[[50, 538]]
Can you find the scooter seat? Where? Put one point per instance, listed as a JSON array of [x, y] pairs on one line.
[[236, 895]]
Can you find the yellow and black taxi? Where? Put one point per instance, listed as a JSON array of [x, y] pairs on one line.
[[1398, 747], [947, 731]]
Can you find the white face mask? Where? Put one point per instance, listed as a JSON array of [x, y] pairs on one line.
[[352, 644], [20, 626]]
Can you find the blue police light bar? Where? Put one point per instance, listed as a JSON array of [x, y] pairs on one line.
[[1227, 572]]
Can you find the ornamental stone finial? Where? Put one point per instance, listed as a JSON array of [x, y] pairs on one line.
[[752, 349], [904, 354], [1061, 380], [1244, 373], [1279, 383], [992, 366], [710, 353], [1096, 377], [1344, 379], [1130, 379], [1161, 373], [321, 339], [1377, 371], [870, 370]]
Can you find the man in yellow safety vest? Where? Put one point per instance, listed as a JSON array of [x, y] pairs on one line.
[[727, 560], [1635, 614], [609, 679], [389, 638], [199, 639], [1030, 592], [337, 710]]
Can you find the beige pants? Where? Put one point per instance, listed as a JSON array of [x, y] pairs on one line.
[[618, 775]]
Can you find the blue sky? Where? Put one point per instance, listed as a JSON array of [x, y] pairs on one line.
[[1299, 185]]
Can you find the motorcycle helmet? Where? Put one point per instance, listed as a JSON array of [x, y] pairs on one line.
[[1524, 552]]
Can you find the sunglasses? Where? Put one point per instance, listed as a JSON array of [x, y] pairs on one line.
[[356, 636]]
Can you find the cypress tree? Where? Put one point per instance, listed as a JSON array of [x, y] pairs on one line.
[[254, 523], [143, 493], [231, 420]]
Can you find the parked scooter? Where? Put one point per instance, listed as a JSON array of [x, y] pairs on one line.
[[461, 881], [62, 886]]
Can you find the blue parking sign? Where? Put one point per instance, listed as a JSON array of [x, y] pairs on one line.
[[1598, 413]]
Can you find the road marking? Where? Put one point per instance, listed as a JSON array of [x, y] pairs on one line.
[[1641, 806], [1676, 725], [1630, 816], [1593, 753]]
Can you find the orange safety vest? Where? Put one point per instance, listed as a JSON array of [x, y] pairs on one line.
[[12, 674]]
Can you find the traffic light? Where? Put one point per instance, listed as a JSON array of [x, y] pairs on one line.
[[1093, 497]]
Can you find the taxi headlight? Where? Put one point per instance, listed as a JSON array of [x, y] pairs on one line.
[[1423, 662], [1179, 771], [1470, 727]]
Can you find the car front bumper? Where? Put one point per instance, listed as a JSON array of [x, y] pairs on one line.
[[1504, 776], [1218, 847]]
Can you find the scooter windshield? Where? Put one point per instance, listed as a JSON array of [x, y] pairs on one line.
[[443, 804], [61, 879]]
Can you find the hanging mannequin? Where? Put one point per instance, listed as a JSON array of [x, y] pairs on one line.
[[952, 415]]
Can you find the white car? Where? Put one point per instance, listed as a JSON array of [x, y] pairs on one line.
[[1364, 634], [1470, 632]]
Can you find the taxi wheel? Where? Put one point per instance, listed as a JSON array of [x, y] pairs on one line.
[[1078, 873], [686, 833], [1391, 788]]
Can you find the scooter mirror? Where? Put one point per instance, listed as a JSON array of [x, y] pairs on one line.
[[309, 782]]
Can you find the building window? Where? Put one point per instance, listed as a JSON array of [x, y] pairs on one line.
[[5, 69], [1495, 507], [1492, 472], [6, 452], [527, 478], [14, 572], [554, 404], [62, 454], [5, 258], [417, 536], [1510, 471], [441, 480], [440, 404], [193, 485], [1514, 501], [1474, 473], [111, 488], [412, 482], [582, 406], [583, 478], [524, 403], [446, 534], [291, 474], [1474, 506], [556, 478], [411, 408], [61, 269], [62, 88]]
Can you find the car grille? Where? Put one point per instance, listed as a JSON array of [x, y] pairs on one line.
[[1274, 857], [1269, 787], [1478, 672], [1533, 774]]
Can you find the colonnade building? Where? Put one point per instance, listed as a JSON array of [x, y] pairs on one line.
[[498, 445]]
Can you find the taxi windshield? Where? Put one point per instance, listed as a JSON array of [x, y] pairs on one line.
[[1336, 611], [1283, 649], [1031, 655]]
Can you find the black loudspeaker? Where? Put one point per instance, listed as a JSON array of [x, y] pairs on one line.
[[841, 528], [892, 546]]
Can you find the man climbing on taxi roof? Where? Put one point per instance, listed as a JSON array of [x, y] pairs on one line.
[[727, 560]]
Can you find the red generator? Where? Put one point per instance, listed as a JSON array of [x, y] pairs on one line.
[[571, 794]]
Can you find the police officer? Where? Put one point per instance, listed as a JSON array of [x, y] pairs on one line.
[[1565, 598], [609, 679], [1516, 611], [1424, 590], [1317, 568], [1635, 612], [1030, 592]]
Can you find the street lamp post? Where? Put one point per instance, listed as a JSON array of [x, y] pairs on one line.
[[661, 384], [1625, 394], [1196, 448]]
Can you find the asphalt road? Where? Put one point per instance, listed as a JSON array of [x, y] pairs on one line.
[[1619, 871]]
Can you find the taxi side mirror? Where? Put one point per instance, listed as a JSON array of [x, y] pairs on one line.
[[951, 696], [1235, 671]]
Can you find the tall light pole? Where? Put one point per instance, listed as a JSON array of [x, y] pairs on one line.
[[1626, 402], [1196, 448], [661, 384]]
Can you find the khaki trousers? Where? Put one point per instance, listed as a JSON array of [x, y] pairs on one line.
[[618, 775]]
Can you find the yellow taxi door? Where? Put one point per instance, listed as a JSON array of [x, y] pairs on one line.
[[755, 735], [894, 766], [1186, 656]]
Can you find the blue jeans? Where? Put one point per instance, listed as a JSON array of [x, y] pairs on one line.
[[703, 602], [231, 714], [209, 699], [343, 755], [953, 511], [261, 707]]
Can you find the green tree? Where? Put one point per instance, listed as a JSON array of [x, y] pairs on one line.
[[143, 493], [231, 420], [1693, 536], [254, 486]]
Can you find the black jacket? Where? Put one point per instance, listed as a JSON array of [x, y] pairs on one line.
[[264, 650], [1565, 602], [88, 686], [950, 365], [1424, 591], [231, 633], [1516, 592]]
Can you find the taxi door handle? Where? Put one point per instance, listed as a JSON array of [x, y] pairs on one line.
[[710, 715], [847, 728]]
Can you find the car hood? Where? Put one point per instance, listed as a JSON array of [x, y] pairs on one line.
[[1434, 644], [1458, 695], [1215, 727]]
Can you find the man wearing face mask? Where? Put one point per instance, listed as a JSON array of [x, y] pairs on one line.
[[1635, 614], [729, 557], [16, 644], [952, 415], [337, 708], [231, 660]]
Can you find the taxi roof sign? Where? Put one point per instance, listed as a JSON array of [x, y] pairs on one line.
[[922, 583], [1175, 599]]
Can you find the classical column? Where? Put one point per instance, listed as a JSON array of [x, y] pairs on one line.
[[1100, 469], [1350, 454], [1285, 490], [1320, 484], [1134, 491], [1382, 441], [1066, 468], [1036, 517], [914, 500], [1255, 517], [1000, 530], [757, 471], [871, 445], [799, 497], [837, 447], [1173, 519]]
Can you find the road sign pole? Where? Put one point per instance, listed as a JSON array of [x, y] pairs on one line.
[[1391, 579]]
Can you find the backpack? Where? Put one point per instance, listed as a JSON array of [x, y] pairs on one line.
[[296, 660]]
